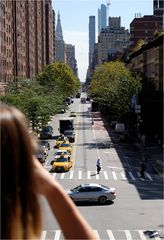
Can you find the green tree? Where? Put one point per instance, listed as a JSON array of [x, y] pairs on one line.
[[113, 85], [29, 97], [59, 78]]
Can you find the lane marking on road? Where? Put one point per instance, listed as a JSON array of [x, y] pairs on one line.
[[139, 175], [57, 235], [62, 175], [76, 136], [123, 176], [96, 233], [114, 175], [142, 234], [89, 174], [80, 174], [115, 153], [43, 235], [97, 176], [132, 177], [54, 175], [148, 176], [71, 174], [105, 175], [110, 234], [128, 235]]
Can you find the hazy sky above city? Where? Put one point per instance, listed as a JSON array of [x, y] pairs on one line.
[[75, 14]]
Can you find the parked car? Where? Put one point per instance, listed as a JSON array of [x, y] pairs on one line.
[[120, 127], [113, 124], [61, 164], [78, 95], [41, 154], [44, 144], [72, 114], [46, 132], [92, 192], [70, 134]]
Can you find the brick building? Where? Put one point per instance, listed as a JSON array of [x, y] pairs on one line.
[[144, 28], [26, 42]]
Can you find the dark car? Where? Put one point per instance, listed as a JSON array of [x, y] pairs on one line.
[[70, 134], [44, 144], [41, 154], [46, 132], [78, 95]]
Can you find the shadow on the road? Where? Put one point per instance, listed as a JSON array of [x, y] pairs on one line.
[[94, 174], [88, 203], [152, 234]]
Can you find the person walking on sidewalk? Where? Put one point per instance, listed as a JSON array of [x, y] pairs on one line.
[[142, 170], [99, 165]]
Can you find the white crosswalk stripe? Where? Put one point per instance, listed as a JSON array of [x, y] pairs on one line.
[[106, 175], [131, 175], [148, 176], [57, 235], [128, 235], [114, 175], [96, 233], [109, 234]]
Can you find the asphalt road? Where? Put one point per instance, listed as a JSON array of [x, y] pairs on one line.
[[137, 211]]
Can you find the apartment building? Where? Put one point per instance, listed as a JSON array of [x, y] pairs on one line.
[[148, 61], [112, 39], [26, 41], [144, 28]]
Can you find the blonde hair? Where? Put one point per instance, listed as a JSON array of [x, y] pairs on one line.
[[21, 217]]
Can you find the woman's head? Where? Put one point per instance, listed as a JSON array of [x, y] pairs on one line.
[[20, 207]]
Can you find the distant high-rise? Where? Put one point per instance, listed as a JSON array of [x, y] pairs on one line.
[[60, 48], [59, 32], [70, 58], [102, 18], [91, 37]]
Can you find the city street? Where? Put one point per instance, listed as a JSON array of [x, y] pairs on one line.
[[137, 211]]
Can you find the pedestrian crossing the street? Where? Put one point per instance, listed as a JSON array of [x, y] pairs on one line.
[[110, 234], [105, 175]]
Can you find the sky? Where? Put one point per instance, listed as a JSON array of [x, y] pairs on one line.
[[74, 15]]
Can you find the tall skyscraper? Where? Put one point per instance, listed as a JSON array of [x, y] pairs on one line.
[[91, 37], [102, 18], [60, 54]]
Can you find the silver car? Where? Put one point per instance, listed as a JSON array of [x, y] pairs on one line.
[[92, 192]]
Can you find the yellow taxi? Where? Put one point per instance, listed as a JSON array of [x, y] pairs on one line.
[[66, 146], [60, 140], [61, 164]]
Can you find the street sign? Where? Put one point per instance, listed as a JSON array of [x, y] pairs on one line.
[[137, 108]]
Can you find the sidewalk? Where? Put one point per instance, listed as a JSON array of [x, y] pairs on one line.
[[154, 153], [155, 158]]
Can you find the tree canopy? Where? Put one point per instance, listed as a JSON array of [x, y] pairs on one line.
[[113, 85], [58, 77], [42, 97]]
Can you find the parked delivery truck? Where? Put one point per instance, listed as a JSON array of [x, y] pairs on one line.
[[65, 124]]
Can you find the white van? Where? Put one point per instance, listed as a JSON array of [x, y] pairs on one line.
[[120, 127]]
